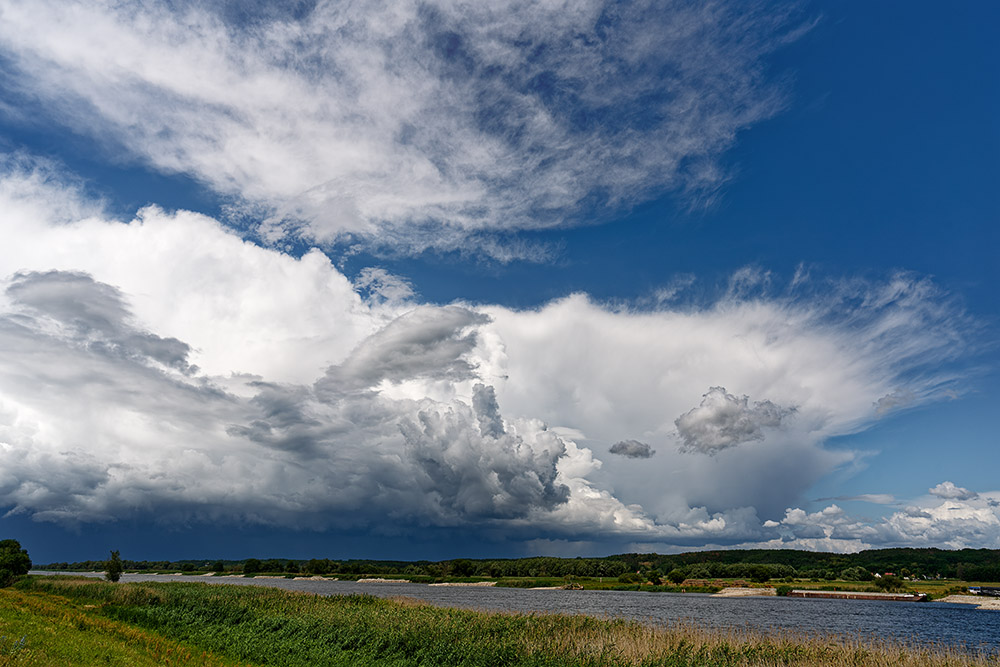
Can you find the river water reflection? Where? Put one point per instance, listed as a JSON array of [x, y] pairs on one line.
[[924, 623]]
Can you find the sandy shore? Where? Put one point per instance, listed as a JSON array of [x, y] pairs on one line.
[[473, 583], [978, 600], [739, 592], [379, 580]]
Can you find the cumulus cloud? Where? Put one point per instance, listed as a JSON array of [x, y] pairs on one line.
[[972, 520], [163, 367], [723, 420], [949, 491], [429, 122], [298, 449], [632, 449]]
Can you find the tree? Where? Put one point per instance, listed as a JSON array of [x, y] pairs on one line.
[[251, 565], [14, 561], [113, 569], [856, 573], [890, 583], [462, 567], [676, 576]]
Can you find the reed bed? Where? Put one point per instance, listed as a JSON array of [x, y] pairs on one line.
[[273, 627]]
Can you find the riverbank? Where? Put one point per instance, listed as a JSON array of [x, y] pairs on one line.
[[258, 625], [978, 600]]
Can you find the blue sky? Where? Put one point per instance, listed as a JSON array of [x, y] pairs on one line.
[[449, 281]]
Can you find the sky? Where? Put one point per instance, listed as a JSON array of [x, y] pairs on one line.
[[438, 279]]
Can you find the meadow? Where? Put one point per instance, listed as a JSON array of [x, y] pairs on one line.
[[198, 624]]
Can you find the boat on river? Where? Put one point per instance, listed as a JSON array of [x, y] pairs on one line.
[[858, 595]]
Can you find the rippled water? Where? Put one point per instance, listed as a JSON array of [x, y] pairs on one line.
[[929, 622]]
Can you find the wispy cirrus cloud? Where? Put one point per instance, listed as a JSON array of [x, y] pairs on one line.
[[407, 125]]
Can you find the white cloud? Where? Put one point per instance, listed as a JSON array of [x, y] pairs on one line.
[[972, 521], [164, 367], [383, 287], [723, 420], [949, 491], [875, 498], [425, 121]]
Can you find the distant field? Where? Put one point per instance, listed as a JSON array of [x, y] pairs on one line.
[[78, 621]]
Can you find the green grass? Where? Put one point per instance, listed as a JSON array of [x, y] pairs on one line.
[[265, 626], [38, 629]]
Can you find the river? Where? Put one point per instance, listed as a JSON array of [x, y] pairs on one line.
[[910, 622]]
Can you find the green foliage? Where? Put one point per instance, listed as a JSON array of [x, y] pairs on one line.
[[856, 573], [462, 568], [889, 584], [676, 576], [113, 570], [251, 565], [14, 561], [783, 591], [967, 564]]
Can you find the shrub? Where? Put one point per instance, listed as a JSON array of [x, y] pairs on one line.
[[676, 576], [890, 583]]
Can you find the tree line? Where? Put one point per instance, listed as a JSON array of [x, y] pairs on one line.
[[755, 564]]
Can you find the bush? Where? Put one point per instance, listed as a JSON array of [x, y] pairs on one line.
[[783, 590], [889, 584], [676, 576]]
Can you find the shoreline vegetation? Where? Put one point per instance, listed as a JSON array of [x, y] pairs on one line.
[[935, 572], [200, 624], [947, 590]]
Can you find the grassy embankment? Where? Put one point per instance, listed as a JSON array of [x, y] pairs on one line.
[[260, 626], [39, 630]]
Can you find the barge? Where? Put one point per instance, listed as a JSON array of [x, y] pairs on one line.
[[858, 595]]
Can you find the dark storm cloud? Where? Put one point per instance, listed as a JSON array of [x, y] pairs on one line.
[[632, 449]]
